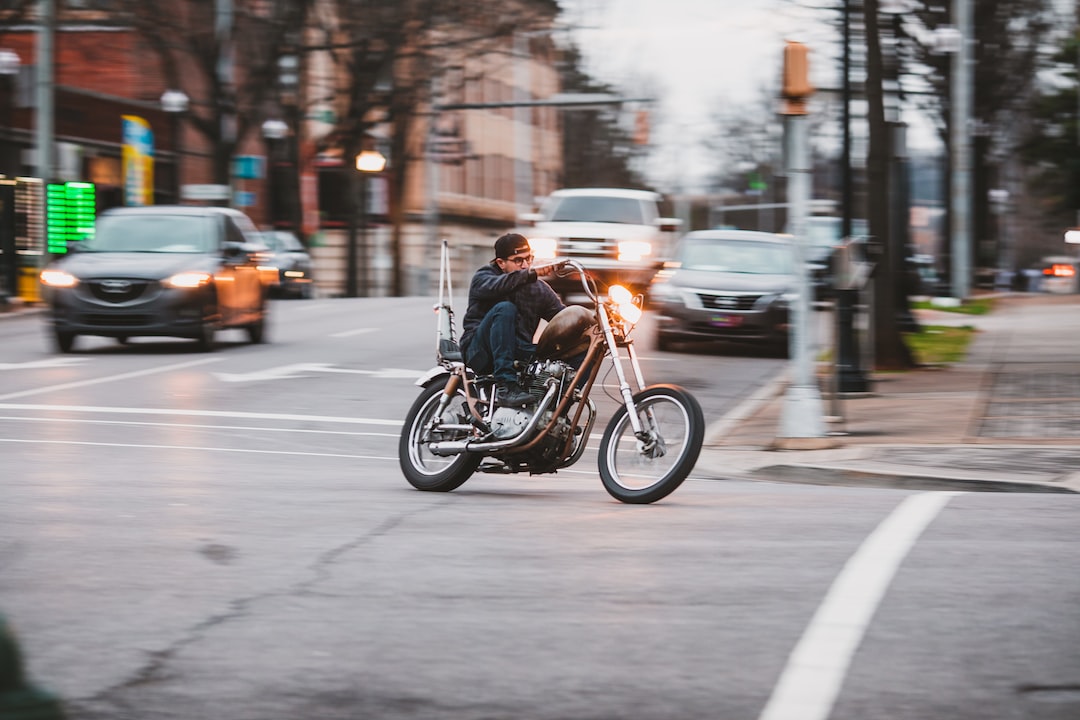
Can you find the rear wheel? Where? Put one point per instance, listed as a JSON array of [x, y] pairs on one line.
[[206, 341], [422, 468], [648, 468]]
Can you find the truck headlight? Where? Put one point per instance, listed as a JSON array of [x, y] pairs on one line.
[[544, 248], [634, 250]]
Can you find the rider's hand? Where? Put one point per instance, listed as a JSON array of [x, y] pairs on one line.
[[549, 269]]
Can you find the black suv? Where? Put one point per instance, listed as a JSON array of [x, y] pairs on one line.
[[161, 270]]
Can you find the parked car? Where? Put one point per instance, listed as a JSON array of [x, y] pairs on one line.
[[726, 285], [160, 270], [617, 234], [293, 263], [1059, 274]]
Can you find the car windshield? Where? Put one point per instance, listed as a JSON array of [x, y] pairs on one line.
[[598, 209], [736, 256], [152, 233], [282, 242]]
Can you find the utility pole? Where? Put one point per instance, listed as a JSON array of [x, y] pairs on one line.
[[44, 127], [960, 131], [802, 421]]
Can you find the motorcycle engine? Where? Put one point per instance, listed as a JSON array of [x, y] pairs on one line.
[[507, 422]]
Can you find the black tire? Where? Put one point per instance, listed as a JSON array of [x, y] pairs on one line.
[[206, 341], [632, 476], [664, 342], [64, 340], [423, 469], [257, 330]]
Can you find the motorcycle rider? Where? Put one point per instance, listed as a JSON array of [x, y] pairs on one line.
[[506, 303]]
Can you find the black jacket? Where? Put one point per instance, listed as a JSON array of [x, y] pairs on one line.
[[534, 299]]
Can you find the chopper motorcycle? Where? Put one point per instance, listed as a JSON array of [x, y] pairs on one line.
[[457, 427]]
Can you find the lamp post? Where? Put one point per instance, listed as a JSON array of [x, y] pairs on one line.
[[273, 130], [368, 162], [175, 103]]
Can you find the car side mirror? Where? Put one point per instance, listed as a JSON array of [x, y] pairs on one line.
[[530, 219], [232, 249]]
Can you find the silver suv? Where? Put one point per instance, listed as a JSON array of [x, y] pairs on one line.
[[617, 234]]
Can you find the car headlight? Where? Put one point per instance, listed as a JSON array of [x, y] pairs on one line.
[[634, 250], [665, 292], [186, 280], [58, 279], [544, 248]]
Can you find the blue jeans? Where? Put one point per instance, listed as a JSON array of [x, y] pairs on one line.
[[495, 345]]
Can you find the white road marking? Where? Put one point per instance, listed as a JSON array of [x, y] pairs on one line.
[[350, 333], [202, 413], [23, 418], [815, 670], [46, 363], [196, 447], [108, 379], [285, 372]]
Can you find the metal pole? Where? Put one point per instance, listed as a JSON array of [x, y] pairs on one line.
[[44, 127], [802, 413], [522, 125], [962, 67]]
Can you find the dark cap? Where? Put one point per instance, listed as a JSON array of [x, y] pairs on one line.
[[511, 244]]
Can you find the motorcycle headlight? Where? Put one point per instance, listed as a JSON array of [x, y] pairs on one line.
[[634, 250], [58, 279], [187, 280], [544, 248], [623, 300]]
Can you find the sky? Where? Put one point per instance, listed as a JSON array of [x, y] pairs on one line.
[[695, 56]]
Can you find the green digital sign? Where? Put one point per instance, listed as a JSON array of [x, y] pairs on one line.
[[71, 208]]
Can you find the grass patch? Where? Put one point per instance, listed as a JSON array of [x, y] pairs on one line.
[[940, 344], [973, 306]]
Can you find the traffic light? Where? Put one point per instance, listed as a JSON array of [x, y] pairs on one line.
[[795, 86]]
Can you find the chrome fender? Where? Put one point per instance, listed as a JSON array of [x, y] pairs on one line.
[[432, 375]]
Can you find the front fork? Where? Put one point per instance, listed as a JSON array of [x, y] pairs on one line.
[[648, 438]]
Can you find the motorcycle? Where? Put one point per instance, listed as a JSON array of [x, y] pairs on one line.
[[457, 426]]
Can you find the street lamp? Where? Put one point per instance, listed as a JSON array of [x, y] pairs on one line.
[[175, 103], [368, 162], [273, 130]]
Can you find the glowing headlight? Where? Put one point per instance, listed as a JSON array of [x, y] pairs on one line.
[[544, 248], [58, 278], [634, 250], [624, 302], [188, 280]]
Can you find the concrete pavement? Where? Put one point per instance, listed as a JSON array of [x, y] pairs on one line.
[[1005, 419]]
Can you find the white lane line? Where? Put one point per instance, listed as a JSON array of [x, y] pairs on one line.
[[202, 413], [198, 426], [815, 670], [199, 448], [350, 333], [108, 378]]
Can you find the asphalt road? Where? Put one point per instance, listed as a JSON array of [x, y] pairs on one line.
[[188, 535]]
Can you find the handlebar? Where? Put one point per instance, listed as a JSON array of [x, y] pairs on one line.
[[560, 270]]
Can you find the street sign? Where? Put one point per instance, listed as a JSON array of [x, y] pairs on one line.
[[243, 198], [204, 192]]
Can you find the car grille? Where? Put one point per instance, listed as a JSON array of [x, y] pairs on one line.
[[116, 290], [118, 319], [589, 247], [728, 301]]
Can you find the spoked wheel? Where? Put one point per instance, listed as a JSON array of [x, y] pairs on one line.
[[424, 469], [644, 471]]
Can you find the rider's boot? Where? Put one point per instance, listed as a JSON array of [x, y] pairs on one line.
[[510, 394]]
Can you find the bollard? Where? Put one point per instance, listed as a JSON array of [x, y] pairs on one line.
[[19, 700]]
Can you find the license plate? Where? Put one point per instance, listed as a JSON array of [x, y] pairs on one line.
[[725, 320]]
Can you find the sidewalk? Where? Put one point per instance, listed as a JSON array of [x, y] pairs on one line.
[[1006, 419]]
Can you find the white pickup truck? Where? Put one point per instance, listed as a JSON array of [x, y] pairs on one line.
[[617, 234]]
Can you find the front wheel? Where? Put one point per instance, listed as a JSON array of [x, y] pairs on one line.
[[422, 468], [649, 468]]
